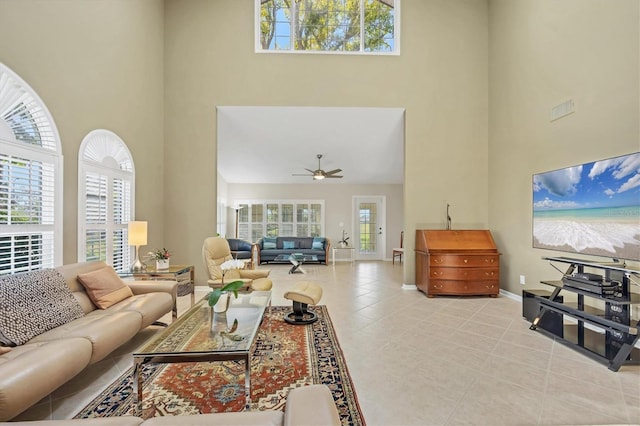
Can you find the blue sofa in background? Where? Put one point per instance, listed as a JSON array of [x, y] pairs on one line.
[[240, 249], [270, 247]]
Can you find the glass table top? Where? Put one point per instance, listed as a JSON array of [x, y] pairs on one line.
[[200, 331], [152, 271], [297, 257]]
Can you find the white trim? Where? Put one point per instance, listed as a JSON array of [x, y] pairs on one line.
[[511, 295], [381, 223], [51, 151], [264, 202], [29, 90], [112, 170]]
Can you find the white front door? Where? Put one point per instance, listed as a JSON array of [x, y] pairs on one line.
[[369, 230]]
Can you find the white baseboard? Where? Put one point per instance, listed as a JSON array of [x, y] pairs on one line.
[[511, 295]]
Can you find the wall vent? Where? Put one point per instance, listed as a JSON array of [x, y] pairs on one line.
[[562, 109]]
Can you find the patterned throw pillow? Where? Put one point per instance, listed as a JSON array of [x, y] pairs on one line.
[[288, 245], [32, 303]]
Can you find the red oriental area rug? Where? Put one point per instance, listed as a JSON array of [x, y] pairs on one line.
[[286, 356]]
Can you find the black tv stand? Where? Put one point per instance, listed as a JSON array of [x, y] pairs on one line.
[[602, 329]]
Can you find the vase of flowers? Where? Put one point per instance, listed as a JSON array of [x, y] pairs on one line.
[[344, 242], [161, 256], [220, 298]]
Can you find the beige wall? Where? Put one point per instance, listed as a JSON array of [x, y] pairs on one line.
[[338, 202], [132, 66], [95, 64], [440, 78], [544, 52]]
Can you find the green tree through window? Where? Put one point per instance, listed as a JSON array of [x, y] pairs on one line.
[[328, 25]]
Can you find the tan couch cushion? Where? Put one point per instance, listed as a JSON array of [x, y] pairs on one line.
[[104, 287], [244, 418]]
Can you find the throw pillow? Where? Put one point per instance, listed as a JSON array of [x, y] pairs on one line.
[[32, 303], [104, 287], [318, 243], [269, 243], [288, 245]]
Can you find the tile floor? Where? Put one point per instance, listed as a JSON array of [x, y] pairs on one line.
[[421, 361]]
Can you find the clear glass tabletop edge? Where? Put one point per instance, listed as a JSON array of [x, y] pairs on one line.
[[201, 331]]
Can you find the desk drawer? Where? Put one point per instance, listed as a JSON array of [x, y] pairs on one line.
[[463, 287], [464, 260], [464, 274]]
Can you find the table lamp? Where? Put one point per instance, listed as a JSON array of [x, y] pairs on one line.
[[138, 237]]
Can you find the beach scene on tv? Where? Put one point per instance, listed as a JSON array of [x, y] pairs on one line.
[[593, 208]]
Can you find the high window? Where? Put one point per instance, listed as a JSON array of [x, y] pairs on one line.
[[283, 218], [30, 179], [106, 184], [335, 26]]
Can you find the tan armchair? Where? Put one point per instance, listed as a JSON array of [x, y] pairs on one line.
[[216, 251]]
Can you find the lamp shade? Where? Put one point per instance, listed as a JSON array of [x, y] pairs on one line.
[[137, 233]]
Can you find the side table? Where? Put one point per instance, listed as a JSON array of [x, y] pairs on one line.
[[184, 275], [350, 250]]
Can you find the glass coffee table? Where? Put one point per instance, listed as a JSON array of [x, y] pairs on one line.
[[199, 335], [296, 260]]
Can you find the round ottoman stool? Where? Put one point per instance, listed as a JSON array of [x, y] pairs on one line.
[[303, 294]]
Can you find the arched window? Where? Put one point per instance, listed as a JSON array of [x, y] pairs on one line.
[[30, 179], [105, 198]]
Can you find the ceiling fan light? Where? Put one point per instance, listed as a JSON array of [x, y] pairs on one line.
[[318, 177]]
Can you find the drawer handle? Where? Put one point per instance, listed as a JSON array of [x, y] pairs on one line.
[[489, 260], [435, 273], [489, 286], [437, 286], [465, 261], [436, 260], [490, 274]]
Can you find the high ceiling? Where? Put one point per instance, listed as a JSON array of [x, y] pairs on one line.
[[270, 144]]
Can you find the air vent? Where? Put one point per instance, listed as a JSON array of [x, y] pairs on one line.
[[562, 110]]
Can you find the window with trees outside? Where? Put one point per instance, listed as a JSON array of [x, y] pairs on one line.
[[330, 26], [283, 218], [106, 183], [30, 179]]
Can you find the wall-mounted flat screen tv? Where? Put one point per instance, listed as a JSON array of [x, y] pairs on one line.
[[593, 208]]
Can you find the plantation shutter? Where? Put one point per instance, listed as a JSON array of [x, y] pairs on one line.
[[121, 217], [105, 199], [30, 179], [27, 187], [96, 216]]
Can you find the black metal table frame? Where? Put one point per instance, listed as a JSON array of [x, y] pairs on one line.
[[550, 304]]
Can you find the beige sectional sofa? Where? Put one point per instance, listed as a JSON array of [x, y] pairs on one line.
[[308, 405], [33, 369]]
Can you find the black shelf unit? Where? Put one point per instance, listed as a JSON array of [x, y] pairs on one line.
[[607, 335]]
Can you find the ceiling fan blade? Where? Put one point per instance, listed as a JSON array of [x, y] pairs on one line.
[[333, 172], [309, 170], [333, 176], [298, 174]]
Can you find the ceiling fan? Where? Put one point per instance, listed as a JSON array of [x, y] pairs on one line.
[[319, 173]]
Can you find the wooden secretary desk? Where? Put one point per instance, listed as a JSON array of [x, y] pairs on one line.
[[460, 262]]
